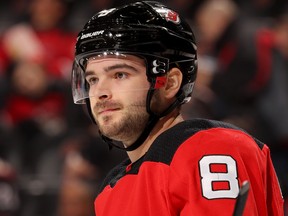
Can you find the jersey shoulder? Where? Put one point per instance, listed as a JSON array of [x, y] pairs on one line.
[[165, 146]]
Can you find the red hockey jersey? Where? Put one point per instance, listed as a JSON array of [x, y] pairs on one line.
[[195, 168]]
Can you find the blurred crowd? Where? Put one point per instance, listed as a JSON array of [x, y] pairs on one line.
[[51, 157]]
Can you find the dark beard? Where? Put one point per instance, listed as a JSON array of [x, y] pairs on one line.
[[131, 125]]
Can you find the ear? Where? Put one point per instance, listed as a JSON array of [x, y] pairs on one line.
[[173, 83]]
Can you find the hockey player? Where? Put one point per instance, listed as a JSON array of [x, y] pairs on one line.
[[135, 66]]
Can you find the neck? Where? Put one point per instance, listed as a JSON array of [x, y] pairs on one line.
[[162, 125]]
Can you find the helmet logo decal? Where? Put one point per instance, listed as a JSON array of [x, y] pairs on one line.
[[168, 14], [158, 67], [173, 17], [91, 34]]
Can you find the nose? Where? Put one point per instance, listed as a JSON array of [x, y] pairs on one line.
[[104, 94], [101, 91]]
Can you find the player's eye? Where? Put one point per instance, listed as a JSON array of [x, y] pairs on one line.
[[120, 75], [92, 80]]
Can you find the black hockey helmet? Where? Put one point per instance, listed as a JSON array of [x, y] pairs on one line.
[[147, 29]]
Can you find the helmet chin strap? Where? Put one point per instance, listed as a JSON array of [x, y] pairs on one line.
[[153, 119]]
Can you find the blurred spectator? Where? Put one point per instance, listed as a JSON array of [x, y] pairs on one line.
[[40, 37], [35, 61], [244, 58], [34, 113], [211, 19], [33, 97]]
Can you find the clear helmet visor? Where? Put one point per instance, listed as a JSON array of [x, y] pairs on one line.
[[95, 74]]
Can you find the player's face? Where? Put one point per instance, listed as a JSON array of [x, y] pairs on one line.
[[118, 89]]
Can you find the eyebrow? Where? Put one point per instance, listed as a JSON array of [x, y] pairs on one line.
[[113, 67]]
